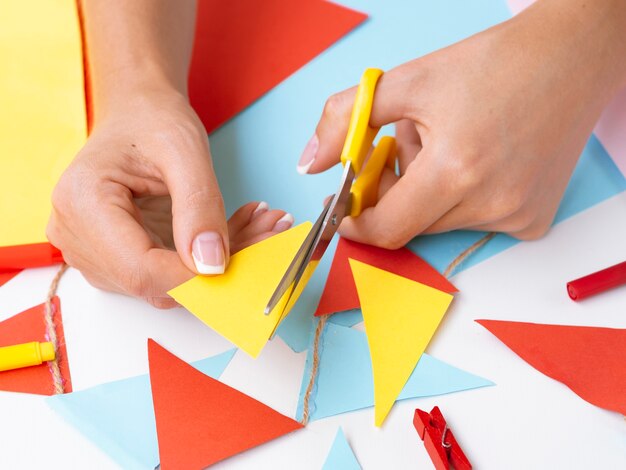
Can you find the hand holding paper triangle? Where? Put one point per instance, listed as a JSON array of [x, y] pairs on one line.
[[401, 317], [233, 303]]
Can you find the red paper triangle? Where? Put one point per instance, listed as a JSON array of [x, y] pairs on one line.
[[7, 275], [201, 421], [245, 48], [28, 256], [30, 326], [340, 291], [589, 360]]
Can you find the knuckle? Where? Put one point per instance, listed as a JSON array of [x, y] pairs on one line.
[[136, 283], [534, 232], [201, 198], [512, 204], [335, 106], [391, 240], [161, 303]]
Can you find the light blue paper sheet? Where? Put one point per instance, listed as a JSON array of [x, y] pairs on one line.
[[344, 381], [119, 417], [255, 154], [341, 456]]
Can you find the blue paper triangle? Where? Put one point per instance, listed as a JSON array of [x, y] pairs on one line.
[[119, 417], [344, 382], [341, 456]]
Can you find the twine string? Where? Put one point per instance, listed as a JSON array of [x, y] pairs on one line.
[[456, 262], [51, 332]]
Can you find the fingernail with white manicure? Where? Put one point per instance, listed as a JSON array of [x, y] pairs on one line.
[[260, 209], [284, 223], [308, 155], [207, 251]]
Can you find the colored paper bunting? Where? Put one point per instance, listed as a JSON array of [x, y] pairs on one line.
[[119, 417], [591, 361], [340, 291], [341, 456], [201, 421], [344, 381], [401, 316], [233, 303], [26, 327], [245, 48]]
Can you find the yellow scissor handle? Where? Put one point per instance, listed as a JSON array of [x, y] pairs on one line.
[[365, 189], [360, 135], [359, 142]]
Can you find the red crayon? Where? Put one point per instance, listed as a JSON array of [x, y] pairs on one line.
[[597, 282]]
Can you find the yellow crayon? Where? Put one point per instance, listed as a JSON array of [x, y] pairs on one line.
[[25, 355]]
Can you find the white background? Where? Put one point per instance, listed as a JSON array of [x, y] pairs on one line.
[[526, 421]]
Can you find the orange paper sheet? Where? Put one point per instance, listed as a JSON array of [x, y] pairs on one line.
[[29, 326], [244, 48], [589, 360], [340, 292], [201, 421]]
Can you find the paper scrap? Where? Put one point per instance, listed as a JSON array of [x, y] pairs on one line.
[[25, 327], [118, 416], [245, 48], [201, 421], [591, 361], [344, 381], [401, 316], [341, 456], [340, 291], [42, 118], [233, 303]]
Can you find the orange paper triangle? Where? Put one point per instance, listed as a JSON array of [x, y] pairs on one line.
[[589, 360], [245, 48], [201, 421], [7, 275], [340, 291], [30, 326]]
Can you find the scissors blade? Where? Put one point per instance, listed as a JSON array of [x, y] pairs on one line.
[[317, 241]]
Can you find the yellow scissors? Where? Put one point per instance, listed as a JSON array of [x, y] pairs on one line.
[[358, 189]]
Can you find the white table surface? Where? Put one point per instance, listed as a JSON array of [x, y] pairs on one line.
[[526, 421]]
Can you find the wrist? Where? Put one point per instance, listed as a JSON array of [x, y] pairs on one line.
[[132, 88]]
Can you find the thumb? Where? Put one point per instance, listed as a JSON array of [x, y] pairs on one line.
[[199, 219], [324, 149]]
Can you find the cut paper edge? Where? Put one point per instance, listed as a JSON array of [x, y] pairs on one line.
[[344, 381], [259, 267], [93, 411], [401, 316], [570, 355], [196, 414], [244, 49], [340, 292], [341, 456], [25, 327]]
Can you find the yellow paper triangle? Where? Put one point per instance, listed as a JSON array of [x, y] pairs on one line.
[[233, 303], [42, 111], [401, 317]]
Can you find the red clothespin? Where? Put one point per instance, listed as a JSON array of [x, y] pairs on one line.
[[439, 441]]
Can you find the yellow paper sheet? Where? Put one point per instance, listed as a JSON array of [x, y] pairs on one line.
[[233, 303], [401, 317], [42, 110]]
